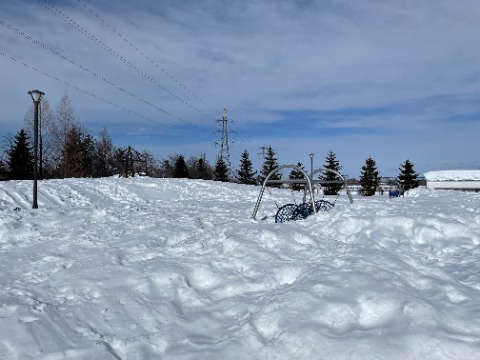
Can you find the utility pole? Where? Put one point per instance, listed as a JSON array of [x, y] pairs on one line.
[[224, 143]]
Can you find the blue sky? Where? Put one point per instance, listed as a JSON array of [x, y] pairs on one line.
[[390, 79]]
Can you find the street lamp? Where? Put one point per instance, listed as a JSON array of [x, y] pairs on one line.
[[311, 164], [36, 97]]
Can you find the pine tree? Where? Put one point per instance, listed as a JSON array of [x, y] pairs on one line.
[[269, 164], [204, 170], [87, 146], [370, 178], [3, 171], [331, 163], [221, 170], [180, 169], [104, 160], [295, 175], [246, 175], [20, 159], [408, 178]]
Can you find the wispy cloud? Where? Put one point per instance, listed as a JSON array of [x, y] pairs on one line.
[[352, 71]]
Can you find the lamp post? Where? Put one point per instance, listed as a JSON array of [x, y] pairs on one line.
[[311, 164], [36, 97]]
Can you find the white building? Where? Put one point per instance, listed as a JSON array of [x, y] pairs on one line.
[[454, 180]]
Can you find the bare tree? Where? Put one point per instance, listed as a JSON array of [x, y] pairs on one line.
[[60, 128], [150, 166]]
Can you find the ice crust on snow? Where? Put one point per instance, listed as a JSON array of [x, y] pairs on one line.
[[176, 269]]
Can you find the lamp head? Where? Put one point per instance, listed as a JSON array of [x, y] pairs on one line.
[[36, 95]]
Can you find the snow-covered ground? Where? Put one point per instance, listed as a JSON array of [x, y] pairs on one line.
[[176, 269], [453, 175]]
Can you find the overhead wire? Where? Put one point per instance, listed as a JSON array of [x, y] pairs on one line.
[[81, 67], [112, 52], [87, 92], [138, 50], [115, 54]]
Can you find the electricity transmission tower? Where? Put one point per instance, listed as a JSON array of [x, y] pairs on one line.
[[224, 143], [262, 154]]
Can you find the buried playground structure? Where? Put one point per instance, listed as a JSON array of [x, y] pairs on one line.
[[297, 212]]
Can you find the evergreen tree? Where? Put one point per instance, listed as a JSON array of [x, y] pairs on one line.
[[221, 170], [331, 163], [87, 146], [3, 171], [104, 159], [199, 168], [370, 178], [20, 159], [180, 169], [270, 163], [204, 170], [408, 178], [295, 175], [246, 175]]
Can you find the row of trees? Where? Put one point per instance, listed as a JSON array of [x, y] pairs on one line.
[[66, 149], [369, 181], [84, 156], [370, 177]]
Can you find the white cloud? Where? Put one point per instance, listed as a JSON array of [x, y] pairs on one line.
[[260, 59]]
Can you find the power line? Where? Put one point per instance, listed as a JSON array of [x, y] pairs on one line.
[[97, 76], [136, 48], [86, 92], [115, 54], [56, 53]]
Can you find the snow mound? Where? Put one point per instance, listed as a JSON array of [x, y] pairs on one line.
[[176, 269]]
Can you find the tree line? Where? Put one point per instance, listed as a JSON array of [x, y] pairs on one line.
[[369, 181], [66, 149]]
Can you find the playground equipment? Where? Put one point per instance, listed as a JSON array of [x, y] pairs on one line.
[[399, 191], [297, 212]]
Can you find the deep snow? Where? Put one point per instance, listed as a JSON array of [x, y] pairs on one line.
[[176, 269]]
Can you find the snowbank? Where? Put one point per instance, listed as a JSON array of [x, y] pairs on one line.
[[177, 269]]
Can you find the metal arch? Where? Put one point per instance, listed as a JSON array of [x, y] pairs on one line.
[[319, 170], [257, 205]]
